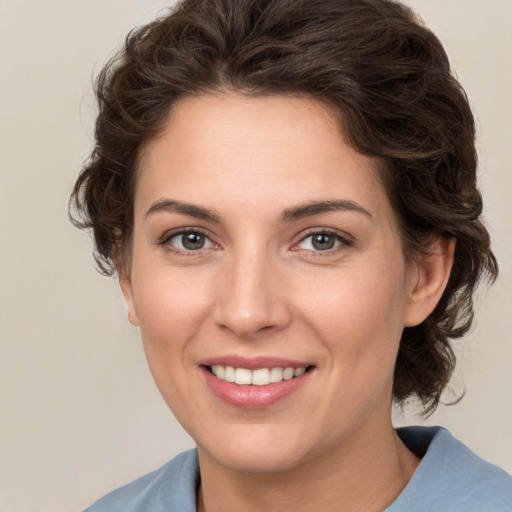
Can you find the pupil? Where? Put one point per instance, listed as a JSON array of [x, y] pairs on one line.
[[193, 241], [323, 242]]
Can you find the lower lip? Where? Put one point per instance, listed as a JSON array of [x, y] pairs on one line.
[[253, 397]]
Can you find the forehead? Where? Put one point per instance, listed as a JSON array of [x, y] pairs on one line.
[[234, 150]]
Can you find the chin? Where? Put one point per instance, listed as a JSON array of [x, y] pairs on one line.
[[254, 449], [256, 459]]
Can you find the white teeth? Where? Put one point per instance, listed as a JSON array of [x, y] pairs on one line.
[[299, 371], [243, 376], [288, 373], [259, 377], [276, 375], [229, 374]]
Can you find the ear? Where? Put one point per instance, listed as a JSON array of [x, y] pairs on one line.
[[125, 281], [428, 279]]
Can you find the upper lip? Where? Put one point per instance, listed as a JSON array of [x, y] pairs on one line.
[[254, 363]]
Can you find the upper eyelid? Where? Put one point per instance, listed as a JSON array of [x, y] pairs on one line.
[[343, 235], [188, 229], [183, 230]]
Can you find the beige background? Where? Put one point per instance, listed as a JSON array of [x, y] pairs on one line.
[[79, 414]]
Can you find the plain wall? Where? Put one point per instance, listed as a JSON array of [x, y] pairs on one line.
[[79, 414]]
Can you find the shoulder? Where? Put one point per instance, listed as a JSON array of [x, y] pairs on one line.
[[451, 476], [172, 487]]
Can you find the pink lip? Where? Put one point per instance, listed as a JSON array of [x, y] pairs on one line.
[[248, 396]]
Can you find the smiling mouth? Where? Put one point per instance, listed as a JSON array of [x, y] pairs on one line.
[[257, 377]]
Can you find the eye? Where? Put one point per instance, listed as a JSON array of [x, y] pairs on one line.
[[322, 241], [189, 241]]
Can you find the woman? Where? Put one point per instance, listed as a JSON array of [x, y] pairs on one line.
[[287, 191]]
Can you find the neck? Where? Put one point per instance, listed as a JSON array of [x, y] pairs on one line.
[[368, 476]]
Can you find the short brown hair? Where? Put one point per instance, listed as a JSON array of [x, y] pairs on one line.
[[376, 65]]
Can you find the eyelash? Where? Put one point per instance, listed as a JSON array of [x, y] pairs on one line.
[[167, 237], [342, 240]]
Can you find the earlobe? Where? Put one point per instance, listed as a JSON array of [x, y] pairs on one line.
[[428, 280], [126, 286]]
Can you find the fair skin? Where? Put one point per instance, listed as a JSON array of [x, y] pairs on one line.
[[262, 239]]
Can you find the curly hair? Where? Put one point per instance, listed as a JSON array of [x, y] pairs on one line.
[[376, 65]]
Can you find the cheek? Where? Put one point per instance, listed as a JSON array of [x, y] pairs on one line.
[[171, 312], [170, 307], [359, 315]]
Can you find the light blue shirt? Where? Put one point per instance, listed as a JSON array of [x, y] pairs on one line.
[[450, 478]]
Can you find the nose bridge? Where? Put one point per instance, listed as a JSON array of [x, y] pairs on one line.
[[249, 299]]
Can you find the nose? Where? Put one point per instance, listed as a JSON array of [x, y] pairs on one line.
[[251, 298]]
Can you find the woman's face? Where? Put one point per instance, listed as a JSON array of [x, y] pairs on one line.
[[263, 242]]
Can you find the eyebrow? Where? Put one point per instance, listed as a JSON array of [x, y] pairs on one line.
[[315, 207], [170, 205], [289, 214]]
